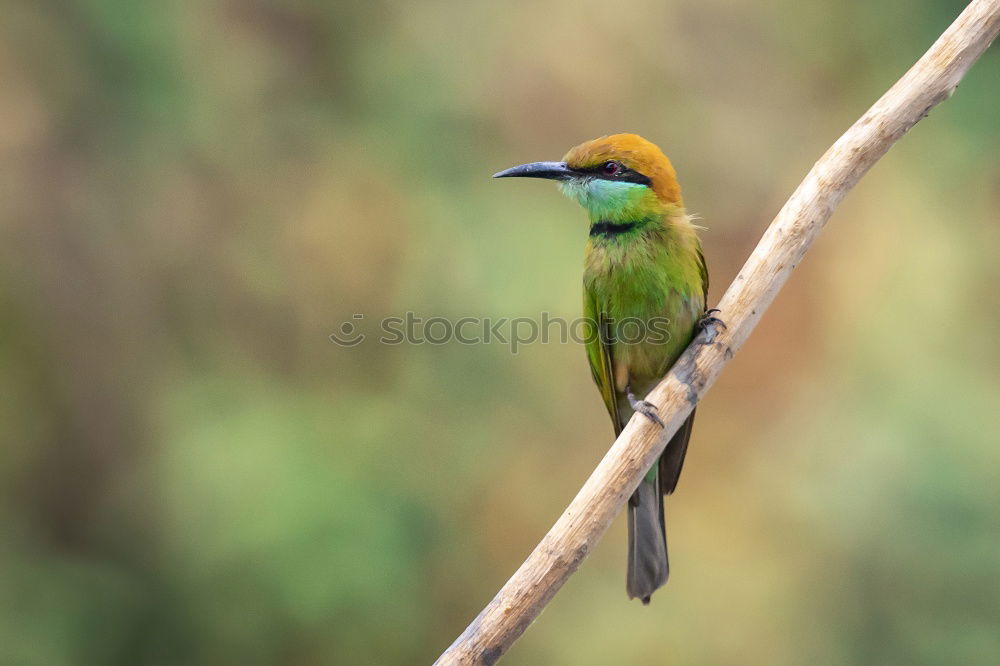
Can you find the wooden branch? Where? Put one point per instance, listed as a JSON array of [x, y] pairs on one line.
[[932, 79]]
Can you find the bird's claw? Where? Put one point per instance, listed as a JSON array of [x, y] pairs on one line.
[[710, 324], [645, 408]]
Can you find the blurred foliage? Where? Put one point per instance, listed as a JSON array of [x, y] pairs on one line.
[[196, 194]]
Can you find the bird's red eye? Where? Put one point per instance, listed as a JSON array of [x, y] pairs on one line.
[[611, 168]]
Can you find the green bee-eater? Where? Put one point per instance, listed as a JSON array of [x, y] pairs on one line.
[[643, 272]]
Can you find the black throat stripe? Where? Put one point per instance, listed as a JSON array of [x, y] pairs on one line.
[[611, 229]]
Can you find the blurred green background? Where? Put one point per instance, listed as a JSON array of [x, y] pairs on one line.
[[197, 194]]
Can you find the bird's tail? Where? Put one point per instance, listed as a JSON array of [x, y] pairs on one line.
[[648, 567]]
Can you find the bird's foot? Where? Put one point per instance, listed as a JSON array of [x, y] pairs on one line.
[[710, 324], [647, 409]]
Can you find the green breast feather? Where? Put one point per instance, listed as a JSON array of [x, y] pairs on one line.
[[643, 294]]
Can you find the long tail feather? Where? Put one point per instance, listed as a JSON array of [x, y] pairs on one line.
[[648, 567]]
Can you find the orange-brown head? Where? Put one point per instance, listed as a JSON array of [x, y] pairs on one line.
[[617, 178], [634, 154]]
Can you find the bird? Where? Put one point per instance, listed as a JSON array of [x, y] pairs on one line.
[[645, 289]]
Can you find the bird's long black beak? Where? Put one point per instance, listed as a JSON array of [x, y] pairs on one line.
[[549, 170]]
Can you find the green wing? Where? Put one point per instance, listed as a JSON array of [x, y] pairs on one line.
[[703, 270], [599, 356]]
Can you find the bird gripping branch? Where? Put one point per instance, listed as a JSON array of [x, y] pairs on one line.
[[645, 286]]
